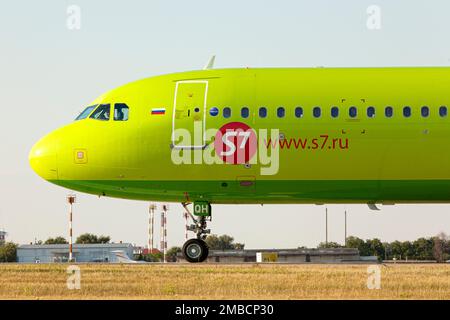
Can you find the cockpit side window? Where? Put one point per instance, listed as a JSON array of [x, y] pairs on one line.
[[101, 113], [86, 112], [121, 112]]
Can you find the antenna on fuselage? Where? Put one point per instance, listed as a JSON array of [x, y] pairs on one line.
[[210, 63]]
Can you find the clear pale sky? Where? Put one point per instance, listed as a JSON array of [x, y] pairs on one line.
[[49, 73]]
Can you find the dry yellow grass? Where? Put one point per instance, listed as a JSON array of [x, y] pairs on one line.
[[224, 282]]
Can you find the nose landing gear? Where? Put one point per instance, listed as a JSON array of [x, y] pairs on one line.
[[196, 250]]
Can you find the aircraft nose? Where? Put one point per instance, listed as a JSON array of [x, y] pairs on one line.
[[43, 158]]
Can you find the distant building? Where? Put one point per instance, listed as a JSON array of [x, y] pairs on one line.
[[152, 251], [49, 253], [341, 255], [2, 237]]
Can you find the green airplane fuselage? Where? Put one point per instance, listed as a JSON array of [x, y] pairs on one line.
[[343, 135]]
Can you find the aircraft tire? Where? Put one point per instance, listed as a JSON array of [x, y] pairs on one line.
[[195, 250]]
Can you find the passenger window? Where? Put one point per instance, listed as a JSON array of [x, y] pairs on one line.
[[317, 112], [299, 112], [280, 112], [407, 112], [443, 111], [226, 112], [334, 112], [388, 112], [425, 111], [121, 112], [214, 111], [371, 112], [262, 112], [244, 112], [352, 112], [86, 112], [101, 113]]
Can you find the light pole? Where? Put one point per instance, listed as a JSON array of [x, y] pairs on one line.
[[151, 228], [71, 198], [326, 226], [345, 228], [165, 208]]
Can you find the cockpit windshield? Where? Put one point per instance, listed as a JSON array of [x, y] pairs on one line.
[[121, 111], [101, 113], [86, 112]]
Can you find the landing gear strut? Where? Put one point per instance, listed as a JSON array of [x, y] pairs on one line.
[[196, 250]]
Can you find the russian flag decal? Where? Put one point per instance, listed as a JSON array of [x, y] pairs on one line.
[[156, 111]]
